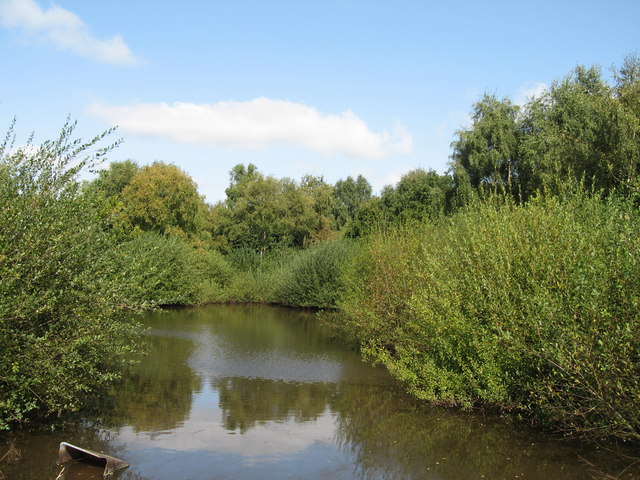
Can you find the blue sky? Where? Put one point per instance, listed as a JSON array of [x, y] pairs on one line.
[[331, 88]]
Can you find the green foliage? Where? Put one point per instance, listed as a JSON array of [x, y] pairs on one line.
[[583, 130], [580, 128], [293, 277], [166, 270], [63, 332], [371, 216], [262, 213], [534, 308], [488, 150], [164, 199], [627, 84], [320, 195], [253, 274], [498, 283], [350, 194], [112, 181], [218, 274], [312, 278], [418, 195]]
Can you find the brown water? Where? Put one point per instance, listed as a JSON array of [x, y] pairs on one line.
[[256, 392]]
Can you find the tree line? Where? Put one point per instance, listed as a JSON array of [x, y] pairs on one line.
[[582, 127]]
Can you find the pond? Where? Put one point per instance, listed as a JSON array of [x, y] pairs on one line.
[[259, 392]]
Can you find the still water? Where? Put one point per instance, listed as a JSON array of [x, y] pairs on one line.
[[256, 392]]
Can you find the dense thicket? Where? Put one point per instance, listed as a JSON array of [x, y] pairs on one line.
[[313, 277], [168, 270], [64, 331], [518, 286], [534, 308]]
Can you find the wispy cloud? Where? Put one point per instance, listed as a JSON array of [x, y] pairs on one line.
[[392, 178], [65, 30], [529, 91], [257, 124]]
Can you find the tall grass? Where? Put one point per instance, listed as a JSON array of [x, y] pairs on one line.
[[533, 308]]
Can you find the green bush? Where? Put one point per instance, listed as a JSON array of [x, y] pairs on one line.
[[253, 274], [533, 308], [63, 331], [312, 277], [218, 275], [167, 270], [288, 276]]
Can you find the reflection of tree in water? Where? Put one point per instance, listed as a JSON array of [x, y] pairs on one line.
[[252, 327], [390, 432], [156, 394], [274, 328], [246, 402]]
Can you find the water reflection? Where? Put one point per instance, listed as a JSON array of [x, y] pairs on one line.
[[246, 402], [157, 395], [408, 438], [237, 392]]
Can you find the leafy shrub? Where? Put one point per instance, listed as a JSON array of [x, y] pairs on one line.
[[249, 287], [63, 332], [535, 308], [253, 277], [166, 270], [217, 276], [312, 277]]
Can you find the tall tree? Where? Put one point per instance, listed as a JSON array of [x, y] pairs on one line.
[[112, 181], [627, 92], [262, 212], [163, 198], [350, 194], [419, 194], [627, 83], [488, 150], [581, 128], [320, 195]]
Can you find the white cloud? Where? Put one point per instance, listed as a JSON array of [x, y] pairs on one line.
[[257, 124], [392, 178], [65, 30], [529, 91]]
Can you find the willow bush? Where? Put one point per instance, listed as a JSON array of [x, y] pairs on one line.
[[288, 276], [312, 278], [167, 270], [65, 328], [252, 278], [532, 308]]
